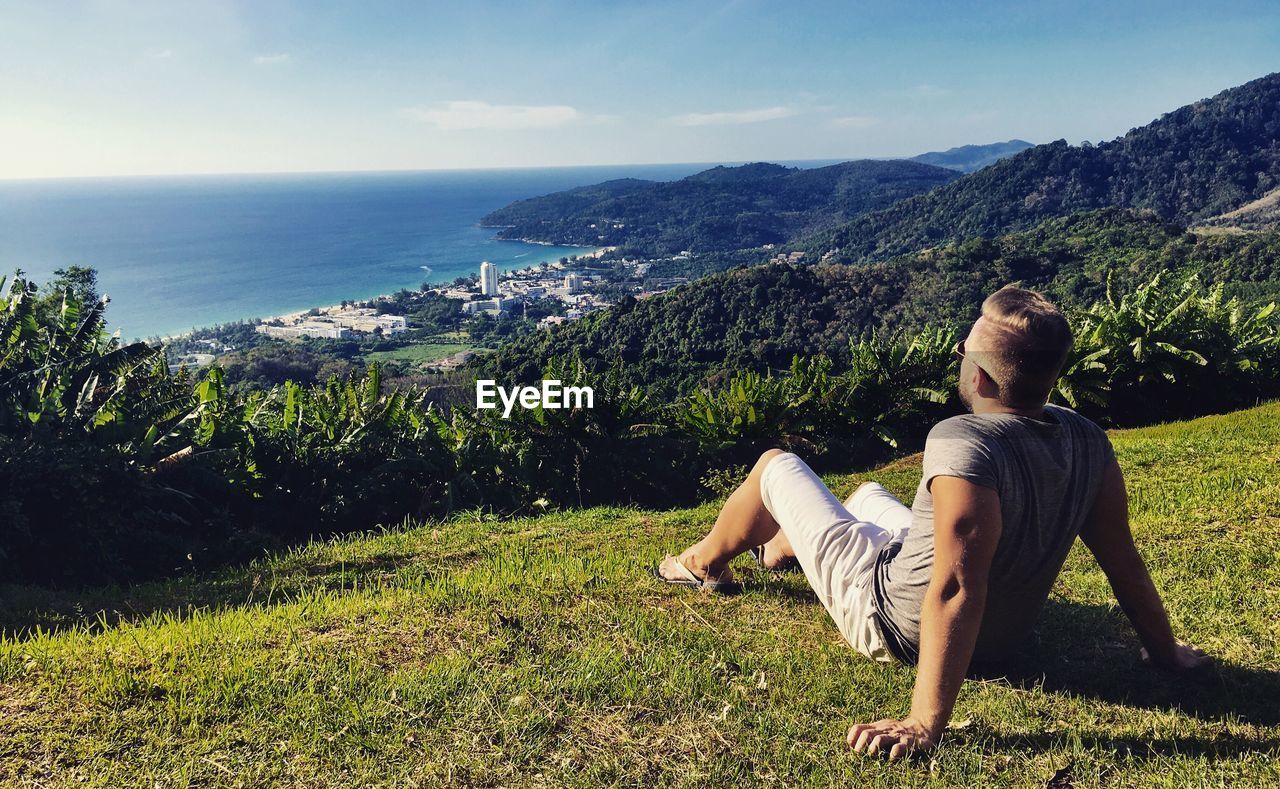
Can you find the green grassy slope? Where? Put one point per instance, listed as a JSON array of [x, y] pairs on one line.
[[533, 651], [419, 352]]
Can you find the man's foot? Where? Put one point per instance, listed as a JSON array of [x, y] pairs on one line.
[[775, 557], [686, 570]]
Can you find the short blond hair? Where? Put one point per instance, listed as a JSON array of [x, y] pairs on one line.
[[1030, 345]]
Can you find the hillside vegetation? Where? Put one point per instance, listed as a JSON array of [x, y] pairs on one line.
[[114, 468], [758, 318], [1197, 162], [486, 652], [723, 208]]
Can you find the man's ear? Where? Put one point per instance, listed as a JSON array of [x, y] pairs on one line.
[[986, 387]]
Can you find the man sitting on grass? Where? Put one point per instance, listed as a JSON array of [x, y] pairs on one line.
[[961, 575]]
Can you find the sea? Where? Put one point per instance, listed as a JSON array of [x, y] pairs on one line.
[[176, 253]]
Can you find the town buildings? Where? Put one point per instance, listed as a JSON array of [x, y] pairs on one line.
[[488, 279], [337, 323], [305, 329], [493, 306]]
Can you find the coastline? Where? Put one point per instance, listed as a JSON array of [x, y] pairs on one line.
[[542, 242], [537, 241], [243, 248], [507, 267]]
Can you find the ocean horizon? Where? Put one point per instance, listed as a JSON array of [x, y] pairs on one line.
[[176, 253]]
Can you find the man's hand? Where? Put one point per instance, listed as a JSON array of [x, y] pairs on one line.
[[893, 738], [1182, 658]]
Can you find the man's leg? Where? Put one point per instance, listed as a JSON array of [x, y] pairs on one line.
[[743, 522], [870, 503], [835, 550], [873, 504], [778, 553]]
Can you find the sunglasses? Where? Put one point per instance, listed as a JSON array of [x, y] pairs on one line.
[[959, 351]]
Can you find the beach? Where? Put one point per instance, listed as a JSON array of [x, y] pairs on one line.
[[177, 253]]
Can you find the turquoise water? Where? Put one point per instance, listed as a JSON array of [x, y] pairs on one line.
[[176, 253]]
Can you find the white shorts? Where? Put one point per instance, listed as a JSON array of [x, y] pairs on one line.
[[836, 545]]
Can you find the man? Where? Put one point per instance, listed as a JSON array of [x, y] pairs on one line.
[[963, 574]]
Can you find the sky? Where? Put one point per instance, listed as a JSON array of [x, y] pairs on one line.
[[109, 87]]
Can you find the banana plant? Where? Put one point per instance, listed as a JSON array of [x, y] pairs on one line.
[[1084, 380], [1170, 348], [895, 387], [62, 373], [751, 410]]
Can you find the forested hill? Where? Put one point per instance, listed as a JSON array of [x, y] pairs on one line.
[[759, 317], [967, 158], [1197, 162], [719, 209]]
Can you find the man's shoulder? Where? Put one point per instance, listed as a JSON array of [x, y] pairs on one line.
[[963, 434], [1068, 417], [959, 422], [995, 434], [964, 446], [964, 426]]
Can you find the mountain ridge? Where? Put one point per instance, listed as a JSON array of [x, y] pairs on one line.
[[1055, 216], [968, 158], [719, 209], [1195, 162]]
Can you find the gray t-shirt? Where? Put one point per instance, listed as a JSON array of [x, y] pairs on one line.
[[1047, 473]]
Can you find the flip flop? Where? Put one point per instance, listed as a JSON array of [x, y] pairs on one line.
[[789, 565], [724, 585]]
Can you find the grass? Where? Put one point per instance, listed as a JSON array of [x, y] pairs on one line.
[[538, 651], [419, 353]]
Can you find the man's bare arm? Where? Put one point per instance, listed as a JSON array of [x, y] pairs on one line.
[[1107, 535], [966, 523]]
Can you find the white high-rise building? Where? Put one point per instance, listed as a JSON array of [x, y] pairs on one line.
[[488, 279]]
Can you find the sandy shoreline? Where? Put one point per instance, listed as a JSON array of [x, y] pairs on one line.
[[297, 315]]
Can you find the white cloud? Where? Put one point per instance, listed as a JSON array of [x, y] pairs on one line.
[[159, 54], [273, 59], [853, 122], [733, 118], [458, 115]]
